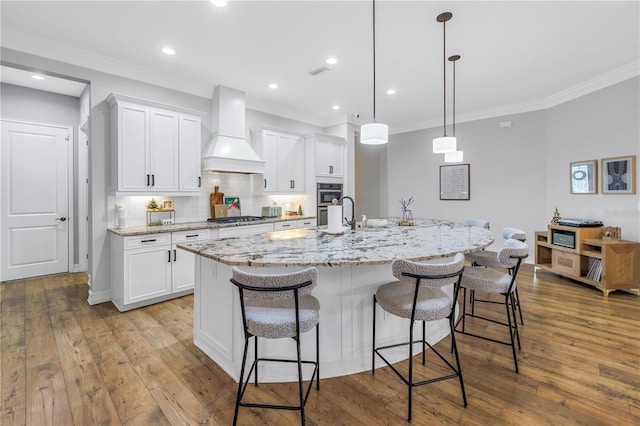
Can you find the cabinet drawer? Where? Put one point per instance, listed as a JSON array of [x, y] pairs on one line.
[[307, 223], [149, 240], [565, 263], [290, 224], [189, 236], [237, 231]]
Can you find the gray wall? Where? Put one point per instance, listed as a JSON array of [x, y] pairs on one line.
[[599, 125], [519, 174], [39, 106]]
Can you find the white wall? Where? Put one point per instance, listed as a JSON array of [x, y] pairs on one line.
[[520, 173]]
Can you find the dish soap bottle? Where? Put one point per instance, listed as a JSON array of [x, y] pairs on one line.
[[364, 221]]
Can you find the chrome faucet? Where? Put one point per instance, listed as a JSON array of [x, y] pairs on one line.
[[351, 222]]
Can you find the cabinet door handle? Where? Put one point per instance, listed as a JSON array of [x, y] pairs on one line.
[[330, 170], [292, 184], [153, 180], [169, 253], [265, 183], [287, 225], [199, 181], [174, 255], [148, 241], [192, 235], [148, 177]]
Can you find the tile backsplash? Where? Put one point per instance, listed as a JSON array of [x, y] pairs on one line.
[[196, 208]]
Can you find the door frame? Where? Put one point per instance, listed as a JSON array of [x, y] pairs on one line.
[[71, 194]]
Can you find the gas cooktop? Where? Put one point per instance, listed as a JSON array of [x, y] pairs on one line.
[[235, 219]]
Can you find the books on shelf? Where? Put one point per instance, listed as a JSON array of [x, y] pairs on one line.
[[595, 270]]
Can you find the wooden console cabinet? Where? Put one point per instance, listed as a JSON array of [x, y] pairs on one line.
[[606, 265]]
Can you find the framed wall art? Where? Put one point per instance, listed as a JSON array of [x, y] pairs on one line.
[[583, 177], [454, 182], [618, 175]]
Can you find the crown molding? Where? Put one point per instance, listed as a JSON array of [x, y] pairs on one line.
[[592, 85]]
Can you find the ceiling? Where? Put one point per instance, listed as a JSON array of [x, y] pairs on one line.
[[516, 55]]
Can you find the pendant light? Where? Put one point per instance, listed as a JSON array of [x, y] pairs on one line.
[[444, 143], [374, 133], [455, 156]]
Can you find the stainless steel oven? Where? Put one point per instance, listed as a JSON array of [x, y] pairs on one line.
[[326, 193]]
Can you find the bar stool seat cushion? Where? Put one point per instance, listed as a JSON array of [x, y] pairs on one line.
[[276, 318], [397, 298], [487, 280]]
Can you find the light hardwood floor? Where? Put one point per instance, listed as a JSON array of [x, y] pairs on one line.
[[67, 363]]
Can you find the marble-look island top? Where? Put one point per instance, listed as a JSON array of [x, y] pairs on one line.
[[427, 239]]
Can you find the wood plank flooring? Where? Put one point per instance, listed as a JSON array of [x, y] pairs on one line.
[[67, 363]]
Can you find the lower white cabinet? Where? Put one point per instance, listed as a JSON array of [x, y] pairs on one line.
[[182, 269], [238, 231], [150, 268]]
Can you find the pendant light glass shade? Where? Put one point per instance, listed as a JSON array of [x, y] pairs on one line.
[[374, 134], [444, 144], [453, 157]]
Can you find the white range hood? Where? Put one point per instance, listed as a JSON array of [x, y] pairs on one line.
[[229, 151]]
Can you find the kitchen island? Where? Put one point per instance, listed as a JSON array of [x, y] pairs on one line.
[[351, 266]]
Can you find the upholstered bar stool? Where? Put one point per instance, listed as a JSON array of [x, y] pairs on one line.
[[488, 280], [275, 307], [489, 258], [418, 296]]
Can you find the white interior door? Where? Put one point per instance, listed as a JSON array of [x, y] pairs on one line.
[[34, 235]]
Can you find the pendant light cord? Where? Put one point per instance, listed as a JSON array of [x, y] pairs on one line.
[[444, 79], [374, 61], [454, 98]]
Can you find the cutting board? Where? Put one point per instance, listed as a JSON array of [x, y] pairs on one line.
[[216, 197], [220, 210]]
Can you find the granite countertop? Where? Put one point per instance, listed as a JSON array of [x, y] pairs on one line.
[[428, 239], [188, 226]]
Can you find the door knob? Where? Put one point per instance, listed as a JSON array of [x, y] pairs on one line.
[[61, 219]]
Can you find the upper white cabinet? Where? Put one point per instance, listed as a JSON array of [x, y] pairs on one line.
[[330, 155], [284, 157], [189, 155], [157, 149]]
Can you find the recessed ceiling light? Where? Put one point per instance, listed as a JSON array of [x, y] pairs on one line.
[[273, 85], [219, 3], [391, 92], [37, 77], [336, 107], [332, 61], [168, 51]]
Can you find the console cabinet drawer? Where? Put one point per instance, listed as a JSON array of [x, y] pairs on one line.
[[565, 263]]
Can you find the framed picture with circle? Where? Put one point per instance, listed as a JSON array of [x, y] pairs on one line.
[[619, 175], [583, 177]]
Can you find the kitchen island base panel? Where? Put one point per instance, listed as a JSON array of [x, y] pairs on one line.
[[346, 303]]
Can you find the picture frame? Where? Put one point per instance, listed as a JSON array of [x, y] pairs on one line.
[[167, 205], [455, 183], [618, 175], [583, 177], [233, 206]]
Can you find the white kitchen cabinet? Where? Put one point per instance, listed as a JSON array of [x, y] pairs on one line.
[[155, 149], [163, 151], [293, 224], [189, 155], [284, 157], [238, 231], [182, 267], [330, 155], [141, 269], [150, 268]]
